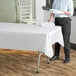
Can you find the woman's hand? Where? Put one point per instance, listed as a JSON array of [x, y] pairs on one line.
[[50, 20], [66, 12], [51, 17]]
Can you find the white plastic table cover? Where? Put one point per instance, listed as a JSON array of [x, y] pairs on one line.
[[56, 11], [29, 37]]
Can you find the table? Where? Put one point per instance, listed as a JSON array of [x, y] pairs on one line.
[[30, 37]]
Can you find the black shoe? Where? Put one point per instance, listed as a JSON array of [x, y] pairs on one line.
[[66, 61], [54, 58]]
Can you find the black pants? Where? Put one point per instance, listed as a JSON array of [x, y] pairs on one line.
[[65, 24]]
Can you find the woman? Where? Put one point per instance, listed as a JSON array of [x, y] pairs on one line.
[[63, 19]]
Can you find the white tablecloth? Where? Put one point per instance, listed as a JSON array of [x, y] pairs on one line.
[[29, 37]]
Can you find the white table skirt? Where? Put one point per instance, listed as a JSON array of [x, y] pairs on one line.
[[29, 37]]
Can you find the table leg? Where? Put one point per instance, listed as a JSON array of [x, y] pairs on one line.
[[39, 55], [48, 60]]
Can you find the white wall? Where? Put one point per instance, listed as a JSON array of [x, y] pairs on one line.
[[39, 10], [73, 30]]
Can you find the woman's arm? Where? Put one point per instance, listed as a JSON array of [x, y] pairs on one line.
[[66, 12], [70, 8], [51, 17]]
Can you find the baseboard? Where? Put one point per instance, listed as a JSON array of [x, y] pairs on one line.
[[73, 46]]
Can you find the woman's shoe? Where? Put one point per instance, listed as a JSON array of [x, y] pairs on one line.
[[66, 60], [54, 58]]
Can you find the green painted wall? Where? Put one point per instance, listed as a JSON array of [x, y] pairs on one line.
[[7, 11], [34, 8], [75, 4]]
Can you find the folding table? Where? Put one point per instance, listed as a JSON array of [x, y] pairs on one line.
[[30, 37]]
